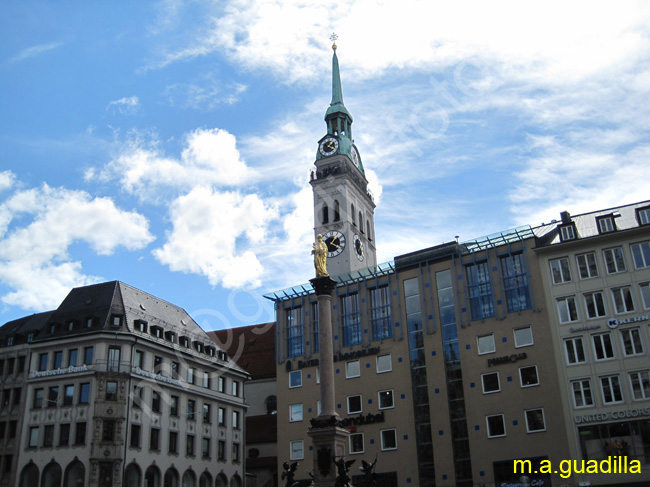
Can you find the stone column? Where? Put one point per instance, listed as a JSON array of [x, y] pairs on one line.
[[328, 437]]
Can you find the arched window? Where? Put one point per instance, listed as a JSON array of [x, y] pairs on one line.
[[368, 230], [337, 215], [152, 477], [51, 475], [75, 473], [29, 475], [352, 213], [361, 222], [131, 475], [271, 404], [235, 481], [171, 477], [205, 480], [326, 214], [221, 481], [189, 479]]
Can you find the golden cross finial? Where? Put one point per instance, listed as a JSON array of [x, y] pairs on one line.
[[333, 38]]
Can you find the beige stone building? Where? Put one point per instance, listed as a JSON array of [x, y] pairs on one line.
[[596, 270], [123, 388]]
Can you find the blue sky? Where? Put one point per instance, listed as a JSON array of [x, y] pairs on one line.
[[168, 144]]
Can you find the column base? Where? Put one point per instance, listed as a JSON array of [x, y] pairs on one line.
[[329, 444]]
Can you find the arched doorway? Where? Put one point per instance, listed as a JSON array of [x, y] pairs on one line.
[[75, 474], [29, 475], [205, 480], [132, 475], [51, 475], [221, 481], [152, 477], [171, 477], [189, 479]]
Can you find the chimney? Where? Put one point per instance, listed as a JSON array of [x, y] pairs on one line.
[[566, 218]]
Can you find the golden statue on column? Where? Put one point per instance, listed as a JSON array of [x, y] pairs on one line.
[[320, 256]]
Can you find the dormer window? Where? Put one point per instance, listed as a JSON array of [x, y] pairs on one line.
[[52, 329], [606, 224], [198, 346], [643, 216], [30, 337], [140, 325], [184, 341], [89, 323], [170, 336], [116, 320], [157, 331], [70, 325], [210, 351], [568, 232]]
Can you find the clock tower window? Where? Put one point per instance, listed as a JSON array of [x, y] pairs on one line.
[[337, 215], [353, 220], [361, 222], [325, 214], [368, 227]]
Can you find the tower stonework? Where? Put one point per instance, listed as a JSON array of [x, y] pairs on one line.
[[343, 206]]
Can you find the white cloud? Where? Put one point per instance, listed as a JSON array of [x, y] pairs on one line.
[[206, 93], [210, 156], [217, 235], [35, 51], [125, 106], [7, 179], [35, 258]]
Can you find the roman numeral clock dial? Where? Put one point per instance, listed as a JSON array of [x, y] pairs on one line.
[[335, 242]]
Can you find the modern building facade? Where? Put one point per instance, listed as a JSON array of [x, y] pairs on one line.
[[123, 388], [596, 270]]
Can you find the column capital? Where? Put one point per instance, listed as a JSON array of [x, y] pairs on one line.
[[323, 285]]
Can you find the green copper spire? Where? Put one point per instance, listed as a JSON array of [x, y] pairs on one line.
[[337, 116]]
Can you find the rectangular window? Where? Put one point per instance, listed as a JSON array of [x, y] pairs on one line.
[[623, 302], [614, 260], [582, 397], [190, 375], [566, 308], [137, 396], [632, 343], [567, 232], [235, 419], [53, 397], [640, 382], [603, 346], [88, 355], [135, 436], [528, 376], [205, 448], [587, 267], [388, 439], [644, 288], [523, 336], [380, 312], [606, 224], [157, 364], [295, 332], [64, 434], [207, 413], [235, 388], [206, 379], [84, 393], [595, 304], [114, 359], [154, 439], [611, 388], [496, 426], [643, 216], [72, 357], [356, 443], [479, 289], [386, 399], [191, 409], [111, 390], [38, 398], [641, 254], [295, 378], [235, 452], [384, 363], [515, 282], [297, 450], [295, 412], [42, 362], [486, 344], [173, 442], [176, 370], [575, 352], [173, 406], [535, 422], [48, 435], [34, 432], [352, 369], [560, 270], [221, 451], [108, 430], [354, 404], [189, 445], [491, 382], [80, 433], [155, 401], [221, 383], [351, 320], [58, 359], [222, 416], [68, 395]]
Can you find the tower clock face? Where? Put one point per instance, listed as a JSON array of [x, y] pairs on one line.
[[328, 146], [335, 242], [358, 248], [355, 156]]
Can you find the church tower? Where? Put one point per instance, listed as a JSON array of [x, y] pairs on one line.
[[343, 207]]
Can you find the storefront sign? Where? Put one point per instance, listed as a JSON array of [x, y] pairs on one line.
[[625, 414], [158, 377], [585, 328], [506, 359], [69, 370], [338, 357], [347, 422], [614, 323]]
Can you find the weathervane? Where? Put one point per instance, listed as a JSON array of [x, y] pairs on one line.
[[333, 38]]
